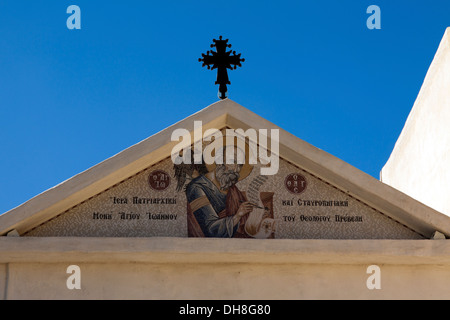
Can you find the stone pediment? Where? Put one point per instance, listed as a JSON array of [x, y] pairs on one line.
[[139, 193]]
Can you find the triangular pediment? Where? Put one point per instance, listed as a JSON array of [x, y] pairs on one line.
[[139, 193]]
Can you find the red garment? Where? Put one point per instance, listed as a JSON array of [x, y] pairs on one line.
[[234, 199]]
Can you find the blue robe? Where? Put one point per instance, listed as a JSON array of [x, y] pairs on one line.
[[207, 215]]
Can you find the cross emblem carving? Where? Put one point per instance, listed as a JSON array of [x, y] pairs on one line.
[[221, 59]]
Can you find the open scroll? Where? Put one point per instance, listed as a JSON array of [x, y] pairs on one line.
[[260, 223]]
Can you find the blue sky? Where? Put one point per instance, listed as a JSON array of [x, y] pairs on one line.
[[70, 99]]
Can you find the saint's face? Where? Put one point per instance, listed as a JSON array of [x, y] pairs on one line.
[[227, 173]]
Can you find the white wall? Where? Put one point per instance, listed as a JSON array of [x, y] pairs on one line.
[[420, 162], [180, 268], [227, 281]]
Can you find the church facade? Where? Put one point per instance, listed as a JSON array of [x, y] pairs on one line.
[[231, 207]]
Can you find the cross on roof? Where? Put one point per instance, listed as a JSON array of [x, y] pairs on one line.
[[221, 60]]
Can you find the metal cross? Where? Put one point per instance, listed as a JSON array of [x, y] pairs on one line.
[[221, 60]]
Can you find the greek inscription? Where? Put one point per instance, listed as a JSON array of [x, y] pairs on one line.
[[339, 218], [101, 216], [319, 203], [161, 216], [117, 200], [129, 216], [328, 218]]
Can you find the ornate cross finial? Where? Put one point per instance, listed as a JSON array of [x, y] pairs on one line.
[[221, 60]]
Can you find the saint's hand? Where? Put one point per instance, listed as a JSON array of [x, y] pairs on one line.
[[244, 208]]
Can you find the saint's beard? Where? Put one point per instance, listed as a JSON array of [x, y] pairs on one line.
[[226, 178]]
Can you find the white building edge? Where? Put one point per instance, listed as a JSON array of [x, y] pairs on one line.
[[419, 163]]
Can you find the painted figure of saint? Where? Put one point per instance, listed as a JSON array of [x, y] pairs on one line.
[[216, 207]]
